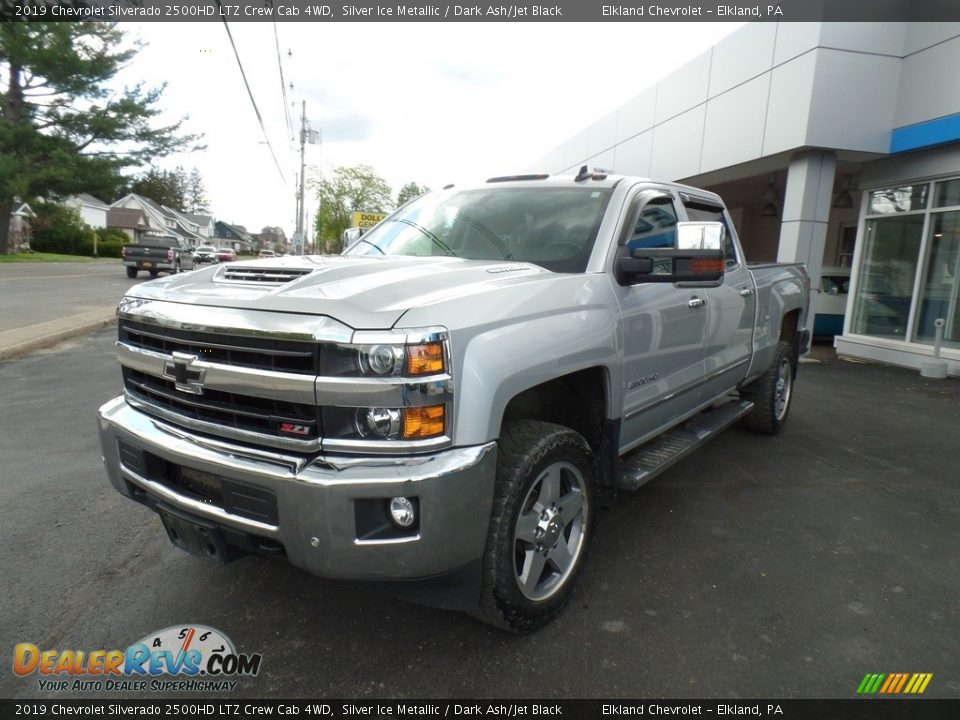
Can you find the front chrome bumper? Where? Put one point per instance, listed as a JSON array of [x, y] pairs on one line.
[[317, 498]]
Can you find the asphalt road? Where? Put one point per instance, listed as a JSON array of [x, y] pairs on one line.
[[37, 292], [784, 567]]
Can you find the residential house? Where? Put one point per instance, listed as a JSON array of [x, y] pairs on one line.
[[132, 221], [93, 212], [271, 238], [204, 222], [235, 237], [164, 224]]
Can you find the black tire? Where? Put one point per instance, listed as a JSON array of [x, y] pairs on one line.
[[131, 272], [772, 393], [154, 273], [177, 269], [538, 462]]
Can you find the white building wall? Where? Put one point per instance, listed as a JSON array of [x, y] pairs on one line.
[[776, 87]]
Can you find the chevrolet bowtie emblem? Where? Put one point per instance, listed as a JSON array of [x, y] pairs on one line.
[[186, 377]]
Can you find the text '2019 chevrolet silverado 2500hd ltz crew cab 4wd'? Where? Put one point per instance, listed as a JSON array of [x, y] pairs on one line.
[[443, 405]]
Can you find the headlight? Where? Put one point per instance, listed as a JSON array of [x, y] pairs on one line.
[[411, 423], [415, 353], [383, 360]]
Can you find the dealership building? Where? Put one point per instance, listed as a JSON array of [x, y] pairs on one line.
[[833, 144]]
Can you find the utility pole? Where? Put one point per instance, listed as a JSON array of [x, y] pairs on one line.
[[300, 196]]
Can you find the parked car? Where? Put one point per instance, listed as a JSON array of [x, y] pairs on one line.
[[155, 257], [447, 411], [267, 253], [226, 255], [205, 254], [829, 303]]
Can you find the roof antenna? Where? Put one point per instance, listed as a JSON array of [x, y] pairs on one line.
[[584, 174]]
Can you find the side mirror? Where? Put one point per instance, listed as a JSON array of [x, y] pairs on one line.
[[697, 256]]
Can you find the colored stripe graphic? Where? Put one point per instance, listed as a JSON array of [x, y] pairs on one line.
[[894, 683]]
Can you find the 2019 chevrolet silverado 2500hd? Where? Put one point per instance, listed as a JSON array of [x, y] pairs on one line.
[[446, 402]]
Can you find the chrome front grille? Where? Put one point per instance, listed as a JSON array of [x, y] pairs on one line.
[[277, 355], [243, 412], [246, 387]]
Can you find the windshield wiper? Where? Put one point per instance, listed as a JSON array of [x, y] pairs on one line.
[[489, 235], [440, 243], [373, 245]]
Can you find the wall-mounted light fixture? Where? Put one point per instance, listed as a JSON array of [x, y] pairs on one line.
[[844, 200], [770, 198]]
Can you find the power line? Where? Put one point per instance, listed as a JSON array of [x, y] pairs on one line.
[[283, 84], [250, 94]]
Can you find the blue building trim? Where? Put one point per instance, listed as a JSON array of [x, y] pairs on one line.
[[931, 132]]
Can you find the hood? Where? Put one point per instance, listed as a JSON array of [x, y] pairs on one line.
[[363, 292]]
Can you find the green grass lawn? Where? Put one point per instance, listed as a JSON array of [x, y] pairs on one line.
[[44, 257]]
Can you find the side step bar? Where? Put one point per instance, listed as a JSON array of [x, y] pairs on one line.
[[648, 461]]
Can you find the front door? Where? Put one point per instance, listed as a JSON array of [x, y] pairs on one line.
[[664, 331]]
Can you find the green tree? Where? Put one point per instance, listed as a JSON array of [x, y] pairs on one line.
[[167, 187], [410, 191], [196, 194], [63, 128], [345, 190]]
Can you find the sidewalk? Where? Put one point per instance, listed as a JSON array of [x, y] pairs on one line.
[[19, 341]]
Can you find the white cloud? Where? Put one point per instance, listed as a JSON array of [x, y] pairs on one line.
[[429, 102]]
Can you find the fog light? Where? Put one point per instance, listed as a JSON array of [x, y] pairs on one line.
[[401, 512]]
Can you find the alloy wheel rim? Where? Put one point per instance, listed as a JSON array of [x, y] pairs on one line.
[[548, 537], [781, 393]]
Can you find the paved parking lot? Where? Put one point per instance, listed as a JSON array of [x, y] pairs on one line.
[[785, 567]]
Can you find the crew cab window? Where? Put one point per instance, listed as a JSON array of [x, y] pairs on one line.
[[656, 225], [702, 212]]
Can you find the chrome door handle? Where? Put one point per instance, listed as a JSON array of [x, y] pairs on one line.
[[696, 302], [746, 292]]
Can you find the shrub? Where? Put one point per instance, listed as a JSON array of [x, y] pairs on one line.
[[57, 229]]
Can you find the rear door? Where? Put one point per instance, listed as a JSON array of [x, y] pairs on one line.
[[664, 329]]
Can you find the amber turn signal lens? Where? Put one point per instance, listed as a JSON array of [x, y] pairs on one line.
[[425, 359], [423, 422], [700, 265]]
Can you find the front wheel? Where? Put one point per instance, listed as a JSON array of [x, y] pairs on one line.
[[542, 523], [771, 393]]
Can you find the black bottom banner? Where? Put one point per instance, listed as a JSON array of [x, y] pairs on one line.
[[867, 709]]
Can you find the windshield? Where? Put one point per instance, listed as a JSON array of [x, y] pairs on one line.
[[554, 227]]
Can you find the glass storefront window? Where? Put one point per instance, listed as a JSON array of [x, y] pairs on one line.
[[941, 280], [897, 200], [947, 194], [887, 271]]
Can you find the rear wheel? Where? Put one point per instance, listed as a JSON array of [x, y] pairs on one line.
[[771, 393], [541, 527], [131, 272]]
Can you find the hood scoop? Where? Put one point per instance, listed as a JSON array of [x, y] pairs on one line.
[[259, 275]]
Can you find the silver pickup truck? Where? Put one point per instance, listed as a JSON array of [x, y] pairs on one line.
[[443, 408]]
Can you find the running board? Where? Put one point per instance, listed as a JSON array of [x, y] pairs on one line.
[[648, 461]]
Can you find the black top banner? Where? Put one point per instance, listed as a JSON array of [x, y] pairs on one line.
[[467, 11]]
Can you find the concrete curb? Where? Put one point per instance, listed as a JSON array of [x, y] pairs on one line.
[[19, 341]]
